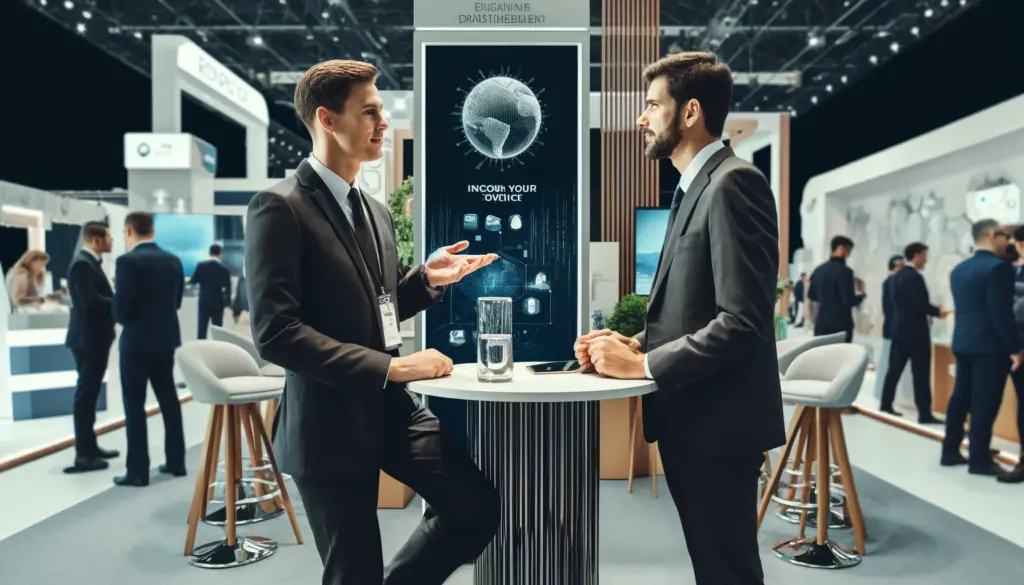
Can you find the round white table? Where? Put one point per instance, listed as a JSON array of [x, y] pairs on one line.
[[537, 439]]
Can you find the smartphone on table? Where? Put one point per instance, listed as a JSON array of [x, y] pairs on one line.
[[562, 367]]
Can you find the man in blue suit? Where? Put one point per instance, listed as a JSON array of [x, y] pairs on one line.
[[985, 345], [214, 282], [147, 295], [888, 314]]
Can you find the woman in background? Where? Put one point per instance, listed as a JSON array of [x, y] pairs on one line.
[[26, 278]]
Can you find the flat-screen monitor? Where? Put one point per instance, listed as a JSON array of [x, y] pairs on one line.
[[187, 236], [651, 224]]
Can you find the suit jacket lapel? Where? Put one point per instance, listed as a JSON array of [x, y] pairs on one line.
[[382, 226], [328, 205], [686, 209]]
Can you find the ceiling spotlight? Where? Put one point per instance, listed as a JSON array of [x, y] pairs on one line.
[[814, 99], [828, 88], [757, 108], [42, 2], [963, 2], [138, 35], [80, 27], [69, 4], [929, 13], [843, 79], [895, 47], [335, 39], [325, 14], [814, 40], [944, 3], [256, 40], [873, 59], [309, 37], [915, 31], [283, 1]]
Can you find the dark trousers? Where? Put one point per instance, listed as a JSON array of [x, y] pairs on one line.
[[978, 391], [157, 369], [91, 365], [919, 353], [719, 517], [1018, 385], [208, 315], [343, 514]]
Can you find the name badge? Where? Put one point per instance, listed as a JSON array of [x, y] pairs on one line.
[[389, 321]]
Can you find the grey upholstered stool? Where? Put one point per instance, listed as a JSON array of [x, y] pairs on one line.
[[788, 350], [227, 378], [822, 382]]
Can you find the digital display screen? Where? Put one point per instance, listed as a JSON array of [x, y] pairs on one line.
[[187, 236], [651, 225], [501, 125]]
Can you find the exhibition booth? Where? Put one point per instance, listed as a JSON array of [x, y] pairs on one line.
[[928, 189]]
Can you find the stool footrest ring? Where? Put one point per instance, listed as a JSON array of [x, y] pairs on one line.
[[218, 555], [835, 521], [244, 514]]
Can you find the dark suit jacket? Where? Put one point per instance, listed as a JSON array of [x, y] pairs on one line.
[[214, 282], [91, 326], [832, 288], [888, 311], [912, 307], [148, 286], [982, 288], [314, 312], [798, 291], [710, 333]]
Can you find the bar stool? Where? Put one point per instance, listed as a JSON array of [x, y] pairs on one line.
[[265, 510], [822, 382], [226, 377]]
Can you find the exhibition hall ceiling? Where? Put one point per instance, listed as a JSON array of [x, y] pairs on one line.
[[789, 55]]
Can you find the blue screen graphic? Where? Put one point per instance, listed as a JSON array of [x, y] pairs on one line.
[[186, 236], [650, 235]]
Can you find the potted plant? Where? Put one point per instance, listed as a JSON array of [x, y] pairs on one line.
[[630, 315], [398, 205]]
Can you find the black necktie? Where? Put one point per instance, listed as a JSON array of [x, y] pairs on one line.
[[364, 234]]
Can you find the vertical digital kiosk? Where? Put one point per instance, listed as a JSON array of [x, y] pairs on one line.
[[501, 131]]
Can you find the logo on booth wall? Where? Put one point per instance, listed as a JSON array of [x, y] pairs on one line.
[[223, 80], [143, 149]]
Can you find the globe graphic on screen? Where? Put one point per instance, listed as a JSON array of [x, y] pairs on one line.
[[501, 117]]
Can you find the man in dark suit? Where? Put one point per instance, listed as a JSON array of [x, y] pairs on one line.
[[985, 345], [315, 243], [214, 281], [799, 288], [709, 340], [1017, 474], [147, 295], [834, 292], [90, 335], [882, 365], [909, 325]]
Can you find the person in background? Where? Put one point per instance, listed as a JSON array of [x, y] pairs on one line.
[[882, 364], [241, 303], [1016, 475], [214, 281], [89, 337], [149, 287], [911, 312], [799, 288], [25, 280], [834, 292], [986, 347]]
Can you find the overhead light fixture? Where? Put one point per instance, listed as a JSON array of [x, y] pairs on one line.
[[873, 59], [963, 2], [80, 27], [843, 79], [325, 15], [828, 88], [86, 14], [69, 4], [757, 108], [42, 2], [256, 40], [138, 35], [944, 3], [895, 47], [928, 13], [915, 31], [814, 99]]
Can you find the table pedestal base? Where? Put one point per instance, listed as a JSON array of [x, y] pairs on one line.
[[543, 458]]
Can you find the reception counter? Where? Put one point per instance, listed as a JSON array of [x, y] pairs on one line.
[[40, 377], [943, 378]]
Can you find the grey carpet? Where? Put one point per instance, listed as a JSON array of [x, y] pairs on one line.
[[129, 536]]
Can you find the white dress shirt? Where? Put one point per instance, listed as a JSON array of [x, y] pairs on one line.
[[340, 188], [685, 180]]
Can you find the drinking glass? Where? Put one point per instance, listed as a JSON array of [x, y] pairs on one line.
[[494, 339]]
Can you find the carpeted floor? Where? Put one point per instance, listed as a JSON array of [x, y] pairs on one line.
[[133, 536]]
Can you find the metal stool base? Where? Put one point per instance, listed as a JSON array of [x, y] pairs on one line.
[[808, 553], [834, 520], [247, 514], [218, 555]]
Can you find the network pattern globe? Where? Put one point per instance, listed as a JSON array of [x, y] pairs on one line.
[[501, 117]]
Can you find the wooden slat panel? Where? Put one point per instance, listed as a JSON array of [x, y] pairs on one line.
[[630, 40]]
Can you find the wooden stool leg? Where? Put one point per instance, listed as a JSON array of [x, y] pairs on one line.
[[634, 425], [231, 457], [210, 457], [810, 455], [262, 431], [773, 483], [849, 486], [256, 460], [218, 435]]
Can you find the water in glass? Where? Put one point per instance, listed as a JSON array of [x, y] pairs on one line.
[[494, 339]]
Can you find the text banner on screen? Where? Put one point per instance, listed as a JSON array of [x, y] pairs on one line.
[[477, 14]]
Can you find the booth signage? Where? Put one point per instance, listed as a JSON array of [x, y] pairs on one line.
[[157, 151], [471, 14], [212, 74]]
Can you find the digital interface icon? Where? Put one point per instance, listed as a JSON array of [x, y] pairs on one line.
[[470, 222], [531, 306], [515, 222], [457, 337], [492, 223]]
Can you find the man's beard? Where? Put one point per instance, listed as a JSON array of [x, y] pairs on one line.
[[664, 144]]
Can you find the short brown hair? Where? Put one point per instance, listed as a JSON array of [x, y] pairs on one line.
[[328, 84], [697, 75], [94, 229], [141, 222]]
